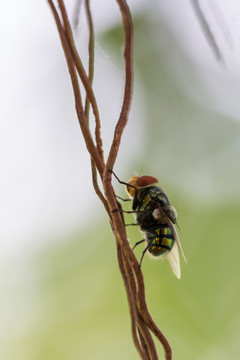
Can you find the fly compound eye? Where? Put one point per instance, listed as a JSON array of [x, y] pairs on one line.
[[145, 180]]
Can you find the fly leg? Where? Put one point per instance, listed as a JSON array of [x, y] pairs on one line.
[[123, 182], [143, 253], [128, 212], [122, 198], [125, 211], [137, 243]]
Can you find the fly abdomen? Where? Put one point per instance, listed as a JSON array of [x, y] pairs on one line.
[[160, 239]]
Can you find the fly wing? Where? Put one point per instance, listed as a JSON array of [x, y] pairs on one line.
[[162, 216], [173, 259], [175, 234]]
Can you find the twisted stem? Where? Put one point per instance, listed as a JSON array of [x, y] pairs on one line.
[[142, 324]]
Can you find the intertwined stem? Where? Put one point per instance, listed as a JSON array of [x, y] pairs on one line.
[[141, 321]]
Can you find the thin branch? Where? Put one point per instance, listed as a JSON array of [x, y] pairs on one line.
[[132, 308], [82, 74], [128, 54], [141, 321], [97, 189], [144, 333], [118, 225], [151, 324], [207, 31], [87, 106], [91, 73], [90, 52], [78, 101]]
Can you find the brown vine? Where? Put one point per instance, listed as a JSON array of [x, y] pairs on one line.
[[142, 323]]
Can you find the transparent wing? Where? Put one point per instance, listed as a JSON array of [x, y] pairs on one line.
[[161, 215], [178, 241], [173, 259]]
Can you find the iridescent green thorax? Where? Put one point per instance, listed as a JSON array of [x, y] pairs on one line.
[[154, 193], [161, 239], [146, 201]]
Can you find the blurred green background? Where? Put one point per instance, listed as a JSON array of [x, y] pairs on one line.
[[67, 300]]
